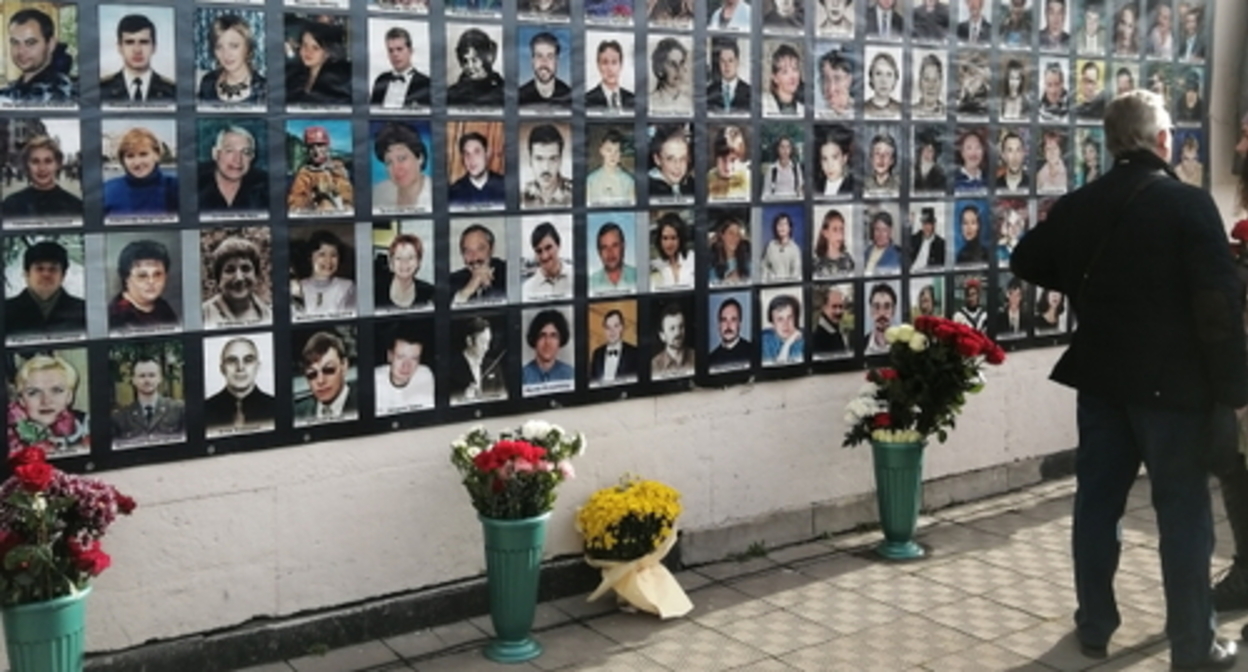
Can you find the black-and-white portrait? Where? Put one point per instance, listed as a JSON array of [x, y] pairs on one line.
[[882, 95], [478, 359], [398, 66], [671, 70], [474, 66], [239, 384]]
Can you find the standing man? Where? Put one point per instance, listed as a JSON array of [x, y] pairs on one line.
[[240, 405], [727, 93], [33, 47], [44, 161], [229, 183], [44, 308], [325, 366], [615, 276], [548, 188], [484, 276], [610, 94], [403, 85], [674, 359], [151, 416], [136, 82], [614, 361], [479, 187], [1148, 368], [669, 152], [322, 185], [733, 351], [553, 277], [545, 89], [403, 383]]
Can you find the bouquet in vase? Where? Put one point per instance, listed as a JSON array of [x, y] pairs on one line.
[[515, 476]]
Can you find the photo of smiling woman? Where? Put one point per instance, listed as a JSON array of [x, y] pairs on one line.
[[230, 59], [318, 61], [140, 171], [400, 167], [47, 391], [403, 262], [42, 183], [237, 265], [322, 268]]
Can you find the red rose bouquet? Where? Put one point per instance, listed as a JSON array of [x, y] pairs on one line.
[[932, 366], [516, 475], [51, 524]]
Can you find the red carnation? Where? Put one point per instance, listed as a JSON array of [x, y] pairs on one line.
[[966, 347], [29, 455], [90, 559], [35, 477], [881, 421], [887, 373], [125, 504]]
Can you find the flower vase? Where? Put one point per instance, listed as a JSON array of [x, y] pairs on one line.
[[47, 636], [513, 564], [898, 493]]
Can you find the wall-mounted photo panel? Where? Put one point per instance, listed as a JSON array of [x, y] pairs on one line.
[[231, 59], [928, 92], [832, 321], [972, 89], [728, 90], [398, 66], [729, 15], [1052, 176], [1013, 319], [782, 341], [882, 94], [609, 13], [1191, 156], [44, 285], [331, 4], [972, 234], [669, 14], [239, 384], [730, 248], [783, 168], [325, 386], [834, 240], [403, 265], [1011, 219], [137, 55], [1013, 174], [834, 162], [929, 146], [1161, 79], [671, 163], [1092, 94], [1159, 36], [545, 261], [236, 276], [1052, 88], [545, 57], [729, 331], [401, 167], [543, 11], [882, 232], [149, 385], [611, 74], [478, 358], [49, 398], [1057, 23], [478, 254], [318, 62], [474, 63], [836, 71], [548, 352], [611, 159], [322, 272], [672, 319], [1050, 317], [43, 73], [970, 301], [928, 246], [971, 156], [475, 161], [614, 356], [140, 171], [1091, 158], [728, 179], [927, 297], [1126, 27], [883, 311], [1126, 75], [1189, 100], [783, 91], [671, 74], [781, 232], [233, 159], [974, 21], [1015, 98], [545, 165], [883, 149], [402, 379], [143, 277], [42, 173], [614, 243], [318, 164]]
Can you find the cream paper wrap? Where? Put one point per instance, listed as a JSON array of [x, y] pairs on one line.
[[644, 583]]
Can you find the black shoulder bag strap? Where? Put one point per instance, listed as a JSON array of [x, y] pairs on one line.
[[1113, 228]]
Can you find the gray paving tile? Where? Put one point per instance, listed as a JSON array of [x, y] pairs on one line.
[[1038, 597], [970, 575], [1053, 644], [359, 657], [547, 616], [624, 661], [905, 643], [985, 657], [911, 593], [569, 645], [578, 608], [982, 618], [955, 538], [719, 605], [778, 633], [282, 666], [467, 661], [637, 630], [766, 665], [701, 650], [845, 611], [773, 583]]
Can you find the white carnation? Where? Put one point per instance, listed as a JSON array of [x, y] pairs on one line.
[[891, 333], [473, 451], [535, 429], [905, 332], [868, 389], [918, 342]]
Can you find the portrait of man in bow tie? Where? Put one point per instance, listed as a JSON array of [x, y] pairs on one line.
[[614, 362], [401, 86], [136, 82], [147, 412], [610, 95]]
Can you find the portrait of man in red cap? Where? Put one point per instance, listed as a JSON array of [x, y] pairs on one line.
[[322, 186]]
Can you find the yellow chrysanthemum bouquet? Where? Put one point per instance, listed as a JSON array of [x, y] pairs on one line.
[[628, 529]]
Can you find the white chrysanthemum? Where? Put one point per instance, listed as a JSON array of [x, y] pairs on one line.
[[891, 333], [535, 429], [473, 451], [868, 389], [918, 342], [905, 332]]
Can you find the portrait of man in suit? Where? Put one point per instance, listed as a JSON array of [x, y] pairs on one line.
[[137, 83], [610, 95], [483, 279], [616, 276], [152, 417], [1191, 43], [975, 28], [615, 361], [330, 397], [44, 308], [1090, 38], [931, 20], [727, 93], [402, 86], [884, 20], [733, 351], [240, 405], [927, 247], [828, 336]]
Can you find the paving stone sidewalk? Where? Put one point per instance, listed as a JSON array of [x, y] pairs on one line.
[[994, 594]]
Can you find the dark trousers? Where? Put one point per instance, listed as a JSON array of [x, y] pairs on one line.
[[1114, 439], [1232, 476]]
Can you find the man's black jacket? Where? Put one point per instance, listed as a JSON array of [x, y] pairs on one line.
[[1159, 318]]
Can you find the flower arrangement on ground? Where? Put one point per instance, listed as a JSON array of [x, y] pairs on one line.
[[51, 524], [515, 476], [932, 366], [628, 529]]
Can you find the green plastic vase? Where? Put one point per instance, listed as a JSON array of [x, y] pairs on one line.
[[46, 636], [513, 564], [898, 493]]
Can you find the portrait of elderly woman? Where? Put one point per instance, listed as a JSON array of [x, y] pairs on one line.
[[477, 84], [41, 404], [402, 152], [318, 288], [318, 68], [396, 286], [143, 268], [229, 43], [237, 277], [143, 189]]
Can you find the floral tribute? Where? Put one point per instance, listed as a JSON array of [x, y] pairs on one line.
[[51, 524], [516, 475], [629, 520], [932, 366]]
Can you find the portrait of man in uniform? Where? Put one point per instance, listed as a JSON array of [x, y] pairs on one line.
[[148, 412], [45, 309], [321, 186], [240, 363], [136, 82], [48, 76]]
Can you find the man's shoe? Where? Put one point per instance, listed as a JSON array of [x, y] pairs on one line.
[[1230, 593], [1097, 652], [1221, 657]]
